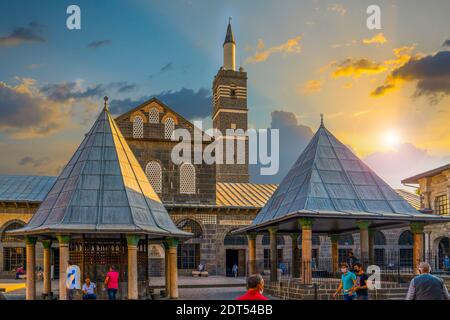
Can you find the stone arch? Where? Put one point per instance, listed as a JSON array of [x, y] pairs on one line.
[[153, 171], [192, 225], [138, 113], [11, 225], [379, 238]]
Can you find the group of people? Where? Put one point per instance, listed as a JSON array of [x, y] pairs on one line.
[[354, 284], [89, 288]]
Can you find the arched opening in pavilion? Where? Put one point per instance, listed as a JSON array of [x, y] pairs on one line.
[[443, 253], [405, 253], [379, 249], [346, 244]]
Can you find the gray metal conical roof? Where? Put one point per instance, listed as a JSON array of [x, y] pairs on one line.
[[329, 178], [229, 37], [102, 189]]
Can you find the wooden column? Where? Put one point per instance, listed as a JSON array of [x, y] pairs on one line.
[[132, 244], [251, 253], [173, 281], [306, 226], [30, 293], [273, 254], [295, 273], [47, 267], [335, 252], [417, 231], [364, 241], [63, 264], [167, 267]]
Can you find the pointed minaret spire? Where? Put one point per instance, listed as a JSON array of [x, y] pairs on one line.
[[229, 36], [321, 120], [229, 49], [105, 104]]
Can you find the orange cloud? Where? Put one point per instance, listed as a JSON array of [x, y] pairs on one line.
[[353, 67], [376, 39], [261, 54], [310, 86]]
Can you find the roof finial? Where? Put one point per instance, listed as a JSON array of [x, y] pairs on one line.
[[105, 105], [321, 119], [229, 19]]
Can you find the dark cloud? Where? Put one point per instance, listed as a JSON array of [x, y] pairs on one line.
[[23, 113], [165, 68], [23, 34], [61, 92], [35, 163], [432, 74], [189, 103], [293, 139], [446, 43], [99, 43]]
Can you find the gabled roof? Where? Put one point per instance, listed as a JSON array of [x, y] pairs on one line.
[[229, 37], [15, 188], [429, 173], [163, 105], [329, 181], [102, 189]]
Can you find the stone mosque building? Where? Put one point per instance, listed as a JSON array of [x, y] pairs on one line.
[[211, 201]]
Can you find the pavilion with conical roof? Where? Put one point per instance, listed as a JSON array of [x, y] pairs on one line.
[[329, 190], [102, 210]]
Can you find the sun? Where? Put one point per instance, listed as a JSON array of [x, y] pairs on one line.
[[391, 138]]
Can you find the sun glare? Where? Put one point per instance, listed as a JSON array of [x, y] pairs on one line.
[[391, 138]]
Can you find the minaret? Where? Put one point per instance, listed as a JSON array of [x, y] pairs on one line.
[[229, 49], [230, 107]]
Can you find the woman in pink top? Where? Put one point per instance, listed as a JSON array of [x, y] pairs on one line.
[[112, 283]]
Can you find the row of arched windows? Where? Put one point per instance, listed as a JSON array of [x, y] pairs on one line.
[[153, 171], [153, 117]]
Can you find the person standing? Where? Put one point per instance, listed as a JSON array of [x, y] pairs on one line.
[[347, 284], [361, 288], [351, 260], [426, 286], [446, 263], [89, 290], [255, 288], [72, 279], [112, 283], [235, 270]]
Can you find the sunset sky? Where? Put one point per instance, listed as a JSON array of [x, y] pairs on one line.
[[384, 93]]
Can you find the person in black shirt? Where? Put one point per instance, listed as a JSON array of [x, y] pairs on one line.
[[361, 289]]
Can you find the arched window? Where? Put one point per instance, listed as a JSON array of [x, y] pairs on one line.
[[153, 115], [235, 240], [266, 240], [187, 178], [138, 127], [405, 239], [379, 238], [191, 226], [154, 175], [12, 238], [345, 240], [169, 126], [188, 253]]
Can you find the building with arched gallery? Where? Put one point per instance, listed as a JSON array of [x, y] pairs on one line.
[[210, 201]]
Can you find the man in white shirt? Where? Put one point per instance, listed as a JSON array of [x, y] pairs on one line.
[[89, 290]]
